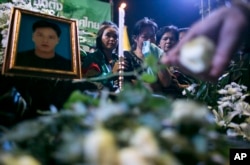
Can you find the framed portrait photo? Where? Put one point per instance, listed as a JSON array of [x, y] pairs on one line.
[[41, 45]]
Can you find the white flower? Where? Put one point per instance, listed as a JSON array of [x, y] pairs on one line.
[[222, 91], [10, 159], [243, 87], [243, 97], [236, 96], [190, 88], [232, 132], [243, 107], [223, 99], [226, 104], [188, 110], [245, 128], [100, 147], [184, 92], [131, 156], [79, 108], [108, 110], [4, 42], [196, 54], [144, 141], [232, 91]]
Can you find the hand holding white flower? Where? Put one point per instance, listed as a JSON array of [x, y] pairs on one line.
[[196, 55]]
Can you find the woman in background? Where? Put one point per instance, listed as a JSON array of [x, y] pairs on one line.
[[145, 31], [101, 62], [166, 38]]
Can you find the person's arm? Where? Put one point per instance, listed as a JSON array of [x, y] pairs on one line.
[[164, 77], [226, 27]]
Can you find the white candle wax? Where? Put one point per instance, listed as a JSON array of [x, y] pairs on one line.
[[121, 27]]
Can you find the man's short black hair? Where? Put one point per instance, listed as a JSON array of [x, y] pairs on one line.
[[44, 23]]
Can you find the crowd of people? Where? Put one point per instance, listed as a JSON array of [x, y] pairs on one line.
[[104, 60], [226, 27]]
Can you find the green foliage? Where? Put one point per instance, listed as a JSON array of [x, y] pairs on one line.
[[58, 138], [150, 63], [77, 96]]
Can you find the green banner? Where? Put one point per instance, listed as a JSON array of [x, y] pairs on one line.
[[89, 13]]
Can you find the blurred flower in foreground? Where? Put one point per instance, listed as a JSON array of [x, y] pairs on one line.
[[131, 156], [144, 141], [100, 147], [197, 54], [187, 110], [9, 159]]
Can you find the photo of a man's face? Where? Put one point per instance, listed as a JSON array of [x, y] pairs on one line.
[[45, 40]]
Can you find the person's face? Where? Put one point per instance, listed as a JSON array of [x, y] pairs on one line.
[[45, 39], [110, 38], [147, 34], [168, 40], [181, 35]]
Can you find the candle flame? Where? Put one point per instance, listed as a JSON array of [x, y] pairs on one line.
[[123, 5]]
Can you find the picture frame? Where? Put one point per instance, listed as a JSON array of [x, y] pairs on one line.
[[21, 53]]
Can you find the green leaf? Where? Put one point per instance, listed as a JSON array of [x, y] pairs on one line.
[[152, 62], [202, 90], [149, 78], [78, 96]]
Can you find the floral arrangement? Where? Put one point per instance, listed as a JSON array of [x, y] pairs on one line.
[[233, 112], [137, 127]]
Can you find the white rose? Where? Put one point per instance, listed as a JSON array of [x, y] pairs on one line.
[[100, 147], [9, 159], [196, 54], [188, 110], [144, 141], [130, 156]]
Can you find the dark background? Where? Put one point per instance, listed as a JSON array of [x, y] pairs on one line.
[[181, 13]]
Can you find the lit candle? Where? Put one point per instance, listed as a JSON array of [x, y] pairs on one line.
[[120, 46], [121, 27]]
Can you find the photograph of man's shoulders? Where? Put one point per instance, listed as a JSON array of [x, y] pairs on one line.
[[62, 63], [29, 59]]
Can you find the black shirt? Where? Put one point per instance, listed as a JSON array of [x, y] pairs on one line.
[[30, 59]]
